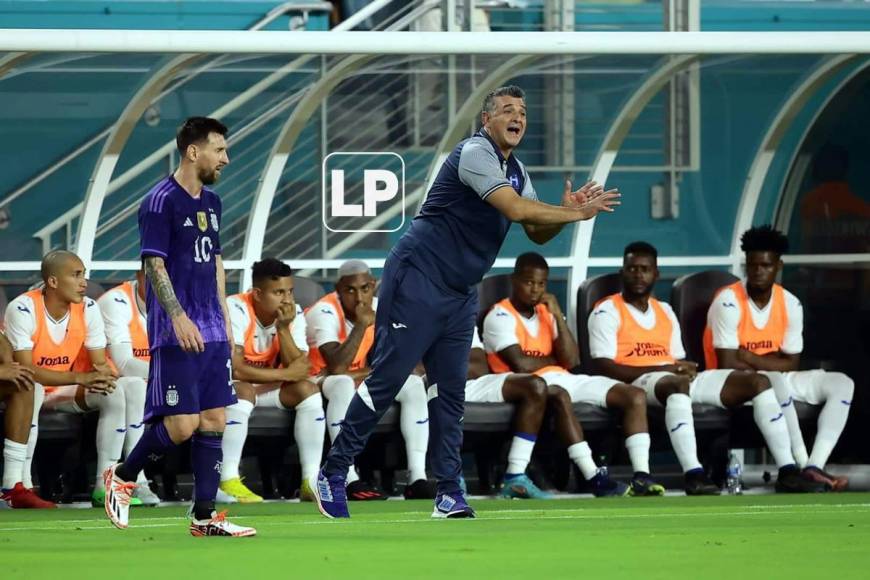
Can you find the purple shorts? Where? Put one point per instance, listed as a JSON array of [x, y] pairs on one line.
[[184, 383]]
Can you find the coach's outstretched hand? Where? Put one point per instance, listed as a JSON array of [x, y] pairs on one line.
[[187, 333], [591, 197]]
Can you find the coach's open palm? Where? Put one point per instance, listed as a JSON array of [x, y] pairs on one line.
[[591, 198], [577, 198], [187, 333]]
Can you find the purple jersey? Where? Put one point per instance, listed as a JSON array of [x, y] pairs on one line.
[[184, 232]]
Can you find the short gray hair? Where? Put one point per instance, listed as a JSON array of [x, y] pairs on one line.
[[507, 91]]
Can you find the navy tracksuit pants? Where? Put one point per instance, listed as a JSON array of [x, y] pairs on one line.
[[416, 320]]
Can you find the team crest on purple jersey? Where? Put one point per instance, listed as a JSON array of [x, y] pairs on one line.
[[214, 221], [201, 221]]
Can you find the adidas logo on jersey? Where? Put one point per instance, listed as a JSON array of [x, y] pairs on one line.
[[188, 223]]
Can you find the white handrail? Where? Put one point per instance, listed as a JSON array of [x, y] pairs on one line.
[[117, 183], [404, 43]]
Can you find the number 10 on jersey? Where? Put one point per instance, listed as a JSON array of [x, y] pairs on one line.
[[202, 249]]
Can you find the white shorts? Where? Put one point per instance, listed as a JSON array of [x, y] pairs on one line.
[[582, 388], [705, 389], [805, 386], [486, 389]]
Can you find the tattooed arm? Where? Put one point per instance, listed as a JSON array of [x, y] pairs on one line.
[[189, 338]]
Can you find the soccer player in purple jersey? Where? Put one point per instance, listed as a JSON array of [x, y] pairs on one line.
[[190, 377]]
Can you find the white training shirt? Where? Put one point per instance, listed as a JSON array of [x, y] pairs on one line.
[[263, 335], [21, 324], [322, 320], [604, 322], [116, 311], [475, 340], [500, 328], [723, 318]]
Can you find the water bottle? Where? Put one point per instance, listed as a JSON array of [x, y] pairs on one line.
[[733, 475]]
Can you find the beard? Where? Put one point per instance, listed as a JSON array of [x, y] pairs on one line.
[[209, 177]]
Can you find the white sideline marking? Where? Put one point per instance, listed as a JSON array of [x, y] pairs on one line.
[[509, 515]]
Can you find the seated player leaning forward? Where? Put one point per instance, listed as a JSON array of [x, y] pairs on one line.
[[341, 334], [58, 332], [527, 333], [635, 338], [16, 392], [270, 369], [531, 395], [124, 314], [757, 324]]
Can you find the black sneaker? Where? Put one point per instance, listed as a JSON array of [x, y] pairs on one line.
[[697, 483], [420, 489], [790, 480], [362, 491]]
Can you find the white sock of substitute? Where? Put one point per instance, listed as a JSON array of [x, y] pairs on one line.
[[681, 429], [786, 403], [309, 431], [770, 419], [233, 441], [581, 455], [414, 424], [110, 429], [27, 472], [638, 451], [520, 453], [338, 390], [14, 456], [352, 475], [833, 417], [134, 395]]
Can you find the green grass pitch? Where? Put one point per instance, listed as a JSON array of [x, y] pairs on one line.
[[738, 538]]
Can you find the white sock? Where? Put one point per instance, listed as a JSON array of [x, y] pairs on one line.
[[832, 419], [638, 451], [234, 437], [681, 429], [14, 456], [414, 424], [134, 395], [338, 391], [581, 455], [520, 453], [27, 472], [110, 429], [786, 403], [771, 422], [309, 431]]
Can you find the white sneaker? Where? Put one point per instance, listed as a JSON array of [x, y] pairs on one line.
[[219, 526], [144, 493], [224, 497], [118, 494]]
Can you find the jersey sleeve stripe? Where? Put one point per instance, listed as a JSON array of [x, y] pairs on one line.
[[493, 188], [152, 206], [158, 197]]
